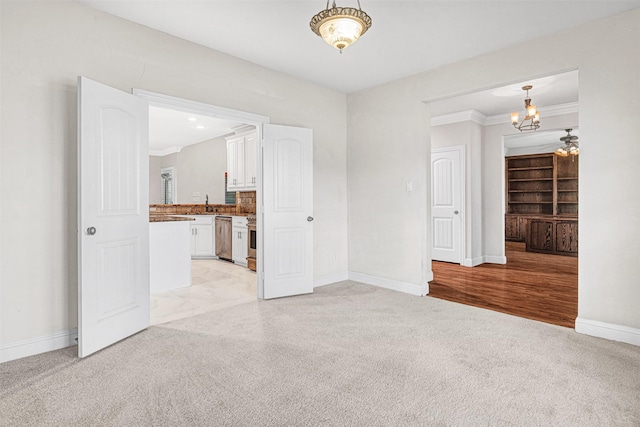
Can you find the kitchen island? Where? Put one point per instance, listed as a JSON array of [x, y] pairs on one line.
[[169, 252]]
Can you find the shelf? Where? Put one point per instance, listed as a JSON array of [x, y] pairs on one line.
[[567, 203], [531, 203], [531, 168], [567, 178], [531, 191], [529, 179]]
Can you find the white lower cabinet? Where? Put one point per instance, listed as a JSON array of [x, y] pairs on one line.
[[240, 240], [202, 237]]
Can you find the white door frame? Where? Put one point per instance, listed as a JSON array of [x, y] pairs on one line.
[[461, 150], [201, 108]]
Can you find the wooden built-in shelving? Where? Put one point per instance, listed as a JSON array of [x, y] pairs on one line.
[[542, 187]]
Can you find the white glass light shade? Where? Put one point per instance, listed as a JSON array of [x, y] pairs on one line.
[[341, 32], [340, 26], [515, 118], [536, 118], [562, 152], [531, 110]]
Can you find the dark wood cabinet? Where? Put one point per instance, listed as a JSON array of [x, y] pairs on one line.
[[553, 236], [542, 188]]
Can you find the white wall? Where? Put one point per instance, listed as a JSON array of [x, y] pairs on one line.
[[201, 170], [469, 134], [155, 185], [45, 46], [389, 144]]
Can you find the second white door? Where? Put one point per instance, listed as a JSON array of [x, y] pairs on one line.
[[447, 203], [288, 211]]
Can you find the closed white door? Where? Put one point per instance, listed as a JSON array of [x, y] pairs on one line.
[[288, 211], [446, 204], [113, 216]]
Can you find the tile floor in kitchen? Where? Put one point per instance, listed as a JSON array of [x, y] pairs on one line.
[[215, 285]]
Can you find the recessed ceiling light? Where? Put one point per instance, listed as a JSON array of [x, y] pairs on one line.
[[192, 119], [199, 127]]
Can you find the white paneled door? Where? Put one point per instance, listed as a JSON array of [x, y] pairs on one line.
[[446, 204], [288, 211], [113, 210]]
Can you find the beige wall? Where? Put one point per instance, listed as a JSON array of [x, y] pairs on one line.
[[389, 143], [45, 46], [201, 170], [155, 185]]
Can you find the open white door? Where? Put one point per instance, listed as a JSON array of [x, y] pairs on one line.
[[446, 204], [113, 215], [288, 211]]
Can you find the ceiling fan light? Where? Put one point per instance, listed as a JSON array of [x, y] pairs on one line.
[[562, 152]]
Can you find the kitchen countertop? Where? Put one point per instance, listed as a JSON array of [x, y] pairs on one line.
[[159, 217], [168, 218]]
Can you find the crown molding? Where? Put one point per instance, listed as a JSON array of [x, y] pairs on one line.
[[166, 151], [478, 117], [462, 116]]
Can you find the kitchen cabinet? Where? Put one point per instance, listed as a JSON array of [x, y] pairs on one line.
[[240, 240], [202, 237], [242, 162]]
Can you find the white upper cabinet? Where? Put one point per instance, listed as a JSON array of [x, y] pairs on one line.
[[242, 161]]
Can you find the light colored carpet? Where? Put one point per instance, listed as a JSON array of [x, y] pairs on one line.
[[348, 355]]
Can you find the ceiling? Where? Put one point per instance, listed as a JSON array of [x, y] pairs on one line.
[[547, 91], [407, 37], [170, 130]]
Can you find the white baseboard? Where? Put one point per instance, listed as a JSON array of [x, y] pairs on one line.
[[472, 262], [32, 346], [330, 278], [495, 259], [408, 288], [609, 331]]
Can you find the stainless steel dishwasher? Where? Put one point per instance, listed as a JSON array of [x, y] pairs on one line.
[[223, 237]]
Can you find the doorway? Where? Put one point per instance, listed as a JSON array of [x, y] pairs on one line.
[[499, 267], [192, 140], [113, 209]]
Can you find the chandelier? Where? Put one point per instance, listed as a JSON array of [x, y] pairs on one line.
[[531, 119], [570, 146], [340, 26]]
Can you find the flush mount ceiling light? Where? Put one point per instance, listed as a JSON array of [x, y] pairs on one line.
[[531, 119], [340, 26], [570, 147]]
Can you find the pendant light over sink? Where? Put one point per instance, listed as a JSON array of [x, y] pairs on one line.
[[340, 26]]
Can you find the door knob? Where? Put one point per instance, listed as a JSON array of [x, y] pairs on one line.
[[309, 218], [455, 212], [91, 231]]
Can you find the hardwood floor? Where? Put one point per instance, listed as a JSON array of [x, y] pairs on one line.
[[531, 285]]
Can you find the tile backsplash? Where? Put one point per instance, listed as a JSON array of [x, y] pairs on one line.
[[245, 204]]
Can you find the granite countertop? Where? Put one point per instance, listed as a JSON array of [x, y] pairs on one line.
[[167, 218]]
